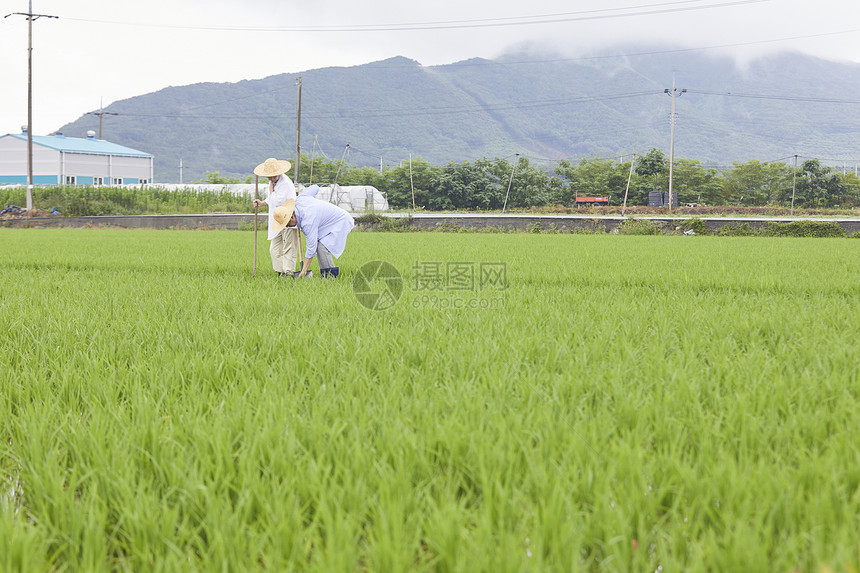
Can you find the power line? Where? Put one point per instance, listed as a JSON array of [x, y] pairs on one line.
[[777, 97], [652, 9], [410, 112]]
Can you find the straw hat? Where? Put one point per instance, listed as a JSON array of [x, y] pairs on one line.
[[272, 167], [283, 213]]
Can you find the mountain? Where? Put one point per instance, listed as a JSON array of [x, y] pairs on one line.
[[551, 109]]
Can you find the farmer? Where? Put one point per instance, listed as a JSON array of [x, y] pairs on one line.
[[325, 227], [284, 245]]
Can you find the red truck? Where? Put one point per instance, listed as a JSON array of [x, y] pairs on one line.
[[589, 201]]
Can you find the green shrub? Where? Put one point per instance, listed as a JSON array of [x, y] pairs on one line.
[[368, 219], [89, 200], [736, 230], [536, 228], [596, 230], [803, 229], [395, 224], [696, 225], [634, 226]]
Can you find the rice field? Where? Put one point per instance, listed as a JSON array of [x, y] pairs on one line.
[[522, 403]]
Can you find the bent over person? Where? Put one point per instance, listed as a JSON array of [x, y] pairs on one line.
[[325, 227], [284, 242]]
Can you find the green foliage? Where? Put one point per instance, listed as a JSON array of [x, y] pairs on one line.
[[652, 163], [396, 225], [696, 225], [483, 185], [377, 222], [735, 230], [215, 178], [595, 178], [755, 183], [447, 227], [634, 226], [696, 184], [369, 219], [596, 230], [467, 186], [819, 186], [803, 229], [93, 201], [490, 229]]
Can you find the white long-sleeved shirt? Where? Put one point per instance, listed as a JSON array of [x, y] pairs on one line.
[[322, 222], [284, 189]]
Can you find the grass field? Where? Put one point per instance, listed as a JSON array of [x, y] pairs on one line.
[[624, 404]]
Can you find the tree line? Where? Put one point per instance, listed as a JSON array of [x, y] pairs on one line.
[[486, 184]]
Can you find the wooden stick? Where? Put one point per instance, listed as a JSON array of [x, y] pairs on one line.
[[256, 196], [300, 256]]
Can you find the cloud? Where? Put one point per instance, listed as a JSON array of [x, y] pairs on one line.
[[115, 50]]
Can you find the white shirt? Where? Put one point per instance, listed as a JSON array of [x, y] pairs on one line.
[[284, 189], [322, 222]]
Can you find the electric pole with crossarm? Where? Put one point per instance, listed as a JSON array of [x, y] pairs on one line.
[[30, 17], [672, 139]]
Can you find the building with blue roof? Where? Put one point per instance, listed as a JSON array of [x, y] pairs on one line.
[[60, 160]]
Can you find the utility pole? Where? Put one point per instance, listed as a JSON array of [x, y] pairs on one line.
[[101, 113], [411, 183], [793, 185], [298, 132], [180, 170], [30, 17], [511, 181], [630, 175], [672, 138], [334, 186], [313, 155]]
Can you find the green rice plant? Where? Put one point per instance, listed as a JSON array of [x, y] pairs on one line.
[[635, 402]]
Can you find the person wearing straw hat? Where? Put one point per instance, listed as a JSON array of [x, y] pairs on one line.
[[284, 241], [325, 227]]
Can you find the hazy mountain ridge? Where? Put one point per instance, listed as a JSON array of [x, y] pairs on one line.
[[550, 109]]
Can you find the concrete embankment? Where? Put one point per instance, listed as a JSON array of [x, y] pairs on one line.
[[423, 221]]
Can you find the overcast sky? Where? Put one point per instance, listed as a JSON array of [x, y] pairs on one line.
[[114, 49]]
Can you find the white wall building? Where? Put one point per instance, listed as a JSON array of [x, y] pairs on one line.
[[60, 160]]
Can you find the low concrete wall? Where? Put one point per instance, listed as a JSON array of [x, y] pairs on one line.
[[517, 222], [604, 223]]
